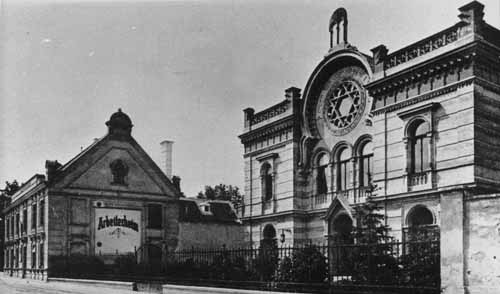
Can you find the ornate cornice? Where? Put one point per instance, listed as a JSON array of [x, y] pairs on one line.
[[427, 45], [441, 65], [429, 95], [266, 130], [270, 112], [266, 149]]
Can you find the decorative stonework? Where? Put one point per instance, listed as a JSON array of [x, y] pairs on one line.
[[427, 45], [442, 74], [271, 112], [426, 96], [344, 107], [268, 130], [119, 169], [342, 102]]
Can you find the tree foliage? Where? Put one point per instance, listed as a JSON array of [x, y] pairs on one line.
[[222, 192], [10, 188], [376, 261], [306, 265]]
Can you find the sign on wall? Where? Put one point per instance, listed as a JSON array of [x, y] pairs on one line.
[[117, 230]]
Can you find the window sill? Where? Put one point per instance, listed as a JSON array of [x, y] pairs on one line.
[[419, 181]]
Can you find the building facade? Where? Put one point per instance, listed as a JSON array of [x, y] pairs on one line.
[[420, 124], [110, 199], [207, 224]]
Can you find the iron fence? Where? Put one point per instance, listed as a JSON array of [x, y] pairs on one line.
[[392, 267], [401, 267]]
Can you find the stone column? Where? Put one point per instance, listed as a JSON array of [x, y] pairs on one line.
[[452, 242]]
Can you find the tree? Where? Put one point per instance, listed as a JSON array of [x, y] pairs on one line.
[[375, 260], [10, 188], [222, 192], [371, 227]]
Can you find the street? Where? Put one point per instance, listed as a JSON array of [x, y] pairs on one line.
[[10, 285]]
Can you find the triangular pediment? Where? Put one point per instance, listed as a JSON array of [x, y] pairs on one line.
[[115, 165], [339, 203]]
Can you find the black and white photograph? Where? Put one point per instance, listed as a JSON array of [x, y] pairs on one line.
[[250, 146]]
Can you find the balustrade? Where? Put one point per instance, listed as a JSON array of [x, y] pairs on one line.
[[353, 196], [425, 46], [417, 179]]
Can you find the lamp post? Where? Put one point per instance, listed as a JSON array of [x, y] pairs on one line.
[[282, 235]]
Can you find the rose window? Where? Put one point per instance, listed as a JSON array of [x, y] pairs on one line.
[[344, 105]]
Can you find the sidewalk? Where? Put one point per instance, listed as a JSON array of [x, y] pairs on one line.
[[11, 285]]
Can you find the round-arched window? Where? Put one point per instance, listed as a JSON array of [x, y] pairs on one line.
[[419, 147], [366, 164], [266, 181], [420, 216], [322, 173], [343, 169]]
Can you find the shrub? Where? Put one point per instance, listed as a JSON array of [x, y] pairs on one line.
[[75, 265], [266, 262], [126, 264], [309, 265]]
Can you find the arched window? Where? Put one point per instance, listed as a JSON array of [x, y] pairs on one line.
[[366, 164], [343, 169], [419, 144], [322, 174], [421, 225], [266, 181], [269, 232], [420, 216], [269, 240]]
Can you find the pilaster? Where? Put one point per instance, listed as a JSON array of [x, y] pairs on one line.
[[452, 242]]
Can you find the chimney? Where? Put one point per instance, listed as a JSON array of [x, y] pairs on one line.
[[51, 167], [166, 158], [177, 182]]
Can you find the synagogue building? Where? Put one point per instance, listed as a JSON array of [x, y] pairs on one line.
[[417, 129]]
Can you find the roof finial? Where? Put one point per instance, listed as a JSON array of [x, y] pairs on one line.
[[339, 16], [119, 123]]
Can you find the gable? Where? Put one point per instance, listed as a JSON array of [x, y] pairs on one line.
[[339, 203], [120, 165]]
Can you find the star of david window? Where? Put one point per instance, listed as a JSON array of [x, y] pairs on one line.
[[344, 105]]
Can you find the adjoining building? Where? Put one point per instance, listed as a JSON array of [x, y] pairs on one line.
[[420, 123], [110, 199], [207, 224]]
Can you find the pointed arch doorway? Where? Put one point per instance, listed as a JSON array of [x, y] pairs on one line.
[[340, 229], [339, 221], [340, 224]]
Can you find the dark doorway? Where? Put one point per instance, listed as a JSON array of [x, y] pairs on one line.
[[341, 229]]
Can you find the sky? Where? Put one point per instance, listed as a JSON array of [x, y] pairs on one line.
[[182, 70]]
